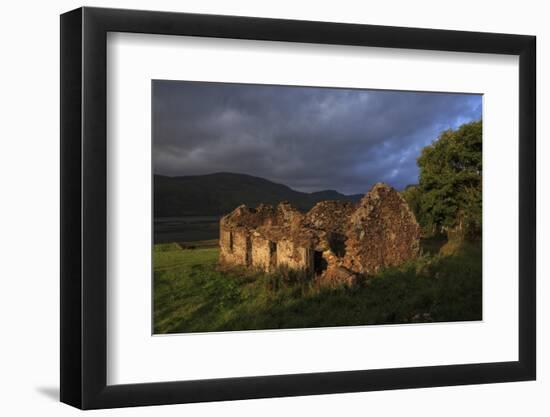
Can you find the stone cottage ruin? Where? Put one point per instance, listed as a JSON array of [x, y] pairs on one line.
[[335, 240]]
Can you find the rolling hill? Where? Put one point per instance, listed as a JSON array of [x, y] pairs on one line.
[[219, 193]]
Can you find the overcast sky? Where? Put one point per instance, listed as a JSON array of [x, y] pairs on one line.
[[308, 138]]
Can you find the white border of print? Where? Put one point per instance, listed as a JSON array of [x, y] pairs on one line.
[[135, 356]]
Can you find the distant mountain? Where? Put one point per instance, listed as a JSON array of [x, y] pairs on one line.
[[220, 193]]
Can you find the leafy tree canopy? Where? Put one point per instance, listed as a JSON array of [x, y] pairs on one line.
[[448, 195]]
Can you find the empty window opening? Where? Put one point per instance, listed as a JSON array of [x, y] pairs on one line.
[[248, 260], [337, 245], [272, 253]]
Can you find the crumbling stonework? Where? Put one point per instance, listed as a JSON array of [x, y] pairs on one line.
[[382, 231], [337, 241]]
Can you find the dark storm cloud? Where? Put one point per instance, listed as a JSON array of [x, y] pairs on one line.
[[307, 138]]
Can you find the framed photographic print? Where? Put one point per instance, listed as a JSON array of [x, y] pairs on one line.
[[258, 207]]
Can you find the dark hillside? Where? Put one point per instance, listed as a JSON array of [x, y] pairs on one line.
[[220, 193]]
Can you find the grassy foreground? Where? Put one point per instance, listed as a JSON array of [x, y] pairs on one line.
[[192, 295]]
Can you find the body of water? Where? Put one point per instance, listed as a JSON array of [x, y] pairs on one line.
[[186, 228]]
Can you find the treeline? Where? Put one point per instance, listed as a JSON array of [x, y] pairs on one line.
[[447, 198]]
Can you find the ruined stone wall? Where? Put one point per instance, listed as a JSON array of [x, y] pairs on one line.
[[244, 248], [381, 232], [336, 240], [261, 238], [329, 216], [293, 256], [235, 247], [226, 252], [262, 253]]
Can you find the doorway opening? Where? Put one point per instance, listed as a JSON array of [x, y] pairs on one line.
[[319, 263]]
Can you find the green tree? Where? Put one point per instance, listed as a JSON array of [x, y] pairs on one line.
[[448, 196], [411, 193]]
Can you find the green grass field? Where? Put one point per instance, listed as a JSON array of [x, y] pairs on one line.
[[192, 295]]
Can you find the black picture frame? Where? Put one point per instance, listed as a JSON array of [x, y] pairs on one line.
[[84, 207]]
